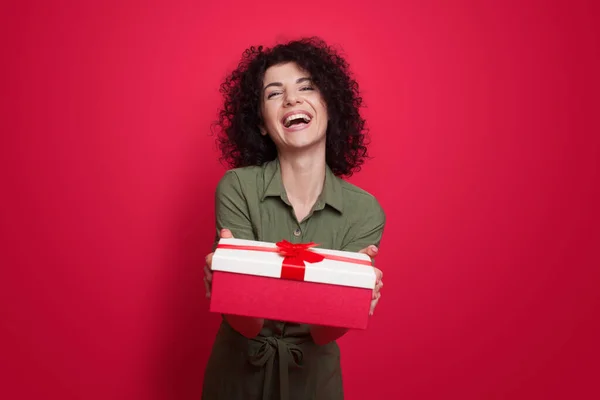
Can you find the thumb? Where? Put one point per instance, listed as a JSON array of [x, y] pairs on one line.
[[371, 251], [226, 234]]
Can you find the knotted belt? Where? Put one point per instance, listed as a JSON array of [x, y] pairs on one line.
[[262, 352]]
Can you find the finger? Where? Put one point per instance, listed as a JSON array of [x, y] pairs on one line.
[[373, 305], [226, 234], [208, 260], [376, 289], [374, 302], [207, 274], [371, 251], [376, 292], [207, 286]]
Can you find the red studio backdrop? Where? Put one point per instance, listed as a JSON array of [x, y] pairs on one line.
[[483, 119]]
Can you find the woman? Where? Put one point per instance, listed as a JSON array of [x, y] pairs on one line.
[[290, 128]]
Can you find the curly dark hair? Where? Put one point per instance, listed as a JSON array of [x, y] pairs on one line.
[[239, 138]]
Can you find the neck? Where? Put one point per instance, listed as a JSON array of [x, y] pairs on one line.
[[303, 176]]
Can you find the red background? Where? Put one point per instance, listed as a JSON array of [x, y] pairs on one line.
[[484, 124]]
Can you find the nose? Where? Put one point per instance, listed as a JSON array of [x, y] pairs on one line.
[[292, 98]]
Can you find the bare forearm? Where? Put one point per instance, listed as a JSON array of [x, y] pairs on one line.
[[325, 334], [247, 326]]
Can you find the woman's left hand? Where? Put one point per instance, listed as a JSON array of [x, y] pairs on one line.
[[372, 251]]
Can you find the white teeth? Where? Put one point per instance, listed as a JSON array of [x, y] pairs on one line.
[[292, 117]]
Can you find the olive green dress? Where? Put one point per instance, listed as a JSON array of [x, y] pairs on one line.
[[283, 362]]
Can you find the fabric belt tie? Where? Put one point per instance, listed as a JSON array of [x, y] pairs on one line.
[[262, 352]]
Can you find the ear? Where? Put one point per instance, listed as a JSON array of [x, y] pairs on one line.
[[263, 131]]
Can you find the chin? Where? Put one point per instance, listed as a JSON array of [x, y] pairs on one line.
[[305, 144]]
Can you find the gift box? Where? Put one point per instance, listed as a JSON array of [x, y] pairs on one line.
[[298, 283]]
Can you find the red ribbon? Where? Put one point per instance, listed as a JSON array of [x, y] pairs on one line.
[[294, 256]]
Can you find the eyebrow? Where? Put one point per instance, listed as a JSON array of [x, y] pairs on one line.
[[279, 84]]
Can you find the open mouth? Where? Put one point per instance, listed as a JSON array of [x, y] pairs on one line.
[[296, 119]]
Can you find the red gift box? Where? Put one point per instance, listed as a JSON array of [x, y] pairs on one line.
[[292, 282]]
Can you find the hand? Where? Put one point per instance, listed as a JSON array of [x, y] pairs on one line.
[[224, 234], [372, 251]]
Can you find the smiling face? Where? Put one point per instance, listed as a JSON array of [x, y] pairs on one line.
[[293, 111]]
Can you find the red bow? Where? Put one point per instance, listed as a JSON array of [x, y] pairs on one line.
[[295, 255]]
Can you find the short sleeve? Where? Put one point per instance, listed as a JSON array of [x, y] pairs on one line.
[[368, 230], [231, 208]]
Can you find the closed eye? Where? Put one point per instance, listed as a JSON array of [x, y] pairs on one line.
[[302, 89]]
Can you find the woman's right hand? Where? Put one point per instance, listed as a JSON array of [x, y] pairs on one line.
[[247, 326], [224, 234]]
